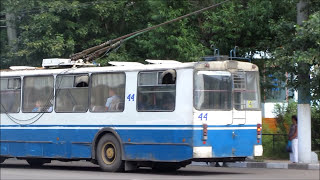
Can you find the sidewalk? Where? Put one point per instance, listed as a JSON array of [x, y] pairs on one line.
[[272, 164]]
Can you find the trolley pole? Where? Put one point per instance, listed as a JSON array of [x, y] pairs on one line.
[[304, 97]]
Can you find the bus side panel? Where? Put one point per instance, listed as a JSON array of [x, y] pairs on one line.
[[158, 152], [47, 143], [157, 145]]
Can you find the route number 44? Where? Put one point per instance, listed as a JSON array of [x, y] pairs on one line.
[[203, 116], [130, 97]]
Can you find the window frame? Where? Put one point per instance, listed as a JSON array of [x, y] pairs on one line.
[[90, 95], [175, 90], [23, 92], [20, 102], [55, 90]]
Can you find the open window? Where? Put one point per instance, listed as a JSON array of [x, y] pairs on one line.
[[156, 91]]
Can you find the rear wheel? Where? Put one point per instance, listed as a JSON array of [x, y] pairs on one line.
[[36, 162], [108, 154]]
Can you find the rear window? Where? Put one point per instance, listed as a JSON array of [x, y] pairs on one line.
[[212, 90]]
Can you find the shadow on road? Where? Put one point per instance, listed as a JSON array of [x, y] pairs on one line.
[[189, 171], [53, 167]]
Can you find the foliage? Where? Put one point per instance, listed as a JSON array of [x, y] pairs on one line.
[[60, 28], [302, 52], [283, 114], [273, 147], [63, 27]]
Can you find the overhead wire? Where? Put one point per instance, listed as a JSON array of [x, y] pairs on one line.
[[99, 49]]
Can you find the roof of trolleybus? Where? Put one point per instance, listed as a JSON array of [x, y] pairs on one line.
[[226, 65]]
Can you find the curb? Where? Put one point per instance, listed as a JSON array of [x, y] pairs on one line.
[[270, 165], [274, 165]]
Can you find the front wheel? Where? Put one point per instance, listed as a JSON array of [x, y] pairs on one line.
[[109, 154]]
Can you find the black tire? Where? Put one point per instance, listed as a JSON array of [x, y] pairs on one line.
[[35, 162], [166, 167], [108, 154], [2, 160]]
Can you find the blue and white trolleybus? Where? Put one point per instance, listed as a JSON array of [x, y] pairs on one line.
[[164, 114]]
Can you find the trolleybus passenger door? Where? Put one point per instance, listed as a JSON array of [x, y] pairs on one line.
[[239, 97]]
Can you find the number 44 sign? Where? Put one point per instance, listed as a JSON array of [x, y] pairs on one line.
[[203, 116], [130, 97]]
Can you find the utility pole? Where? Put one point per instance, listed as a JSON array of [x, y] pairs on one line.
[[11, 31], [304, 97]]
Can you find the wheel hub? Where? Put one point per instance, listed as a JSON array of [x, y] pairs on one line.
[[110, 153]]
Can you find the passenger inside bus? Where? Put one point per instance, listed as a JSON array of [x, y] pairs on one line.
[[37, 107], [113, 101], [50, 106], [168, 77]]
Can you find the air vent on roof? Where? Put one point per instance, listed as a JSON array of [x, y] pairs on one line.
[[162, 61], [121, 63], [57, 62], [14, 68]]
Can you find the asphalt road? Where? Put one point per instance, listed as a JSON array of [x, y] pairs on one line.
[[18, 169]]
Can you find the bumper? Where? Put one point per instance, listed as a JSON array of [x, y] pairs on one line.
[[202, 152], [258, 150]]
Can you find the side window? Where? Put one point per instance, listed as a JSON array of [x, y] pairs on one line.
[[37, 94], [156, 91], [10, 95], [72, 93], [107, 92]]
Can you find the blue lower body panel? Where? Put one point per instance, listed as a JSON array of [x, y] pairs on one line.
[[47, 143], [172, 153], [150, 145], [229, 143]]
